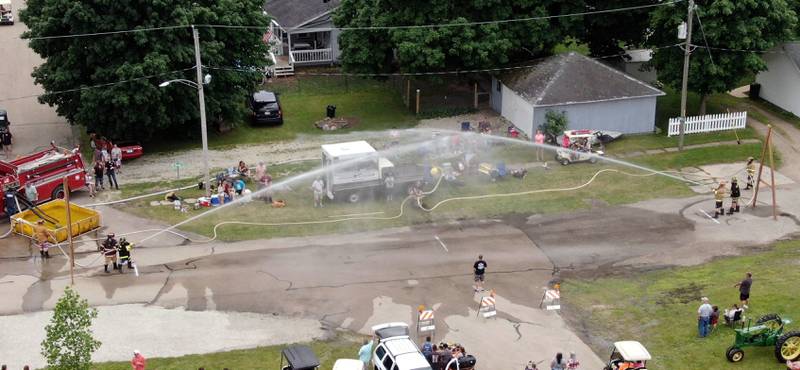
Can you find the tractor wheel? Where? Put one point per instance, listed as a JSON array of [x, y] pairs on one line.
[[734, 354], [58, 192], [771, 320], [787, 348]]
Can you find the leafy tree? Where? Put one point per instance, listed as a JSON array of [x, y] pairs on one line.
[[554, 124], [69, 343], [447, 48], [139, 108], [732, 24], [608, 33]]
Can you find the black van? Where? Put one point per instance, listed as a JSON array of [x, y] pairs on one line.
[[266, 108]]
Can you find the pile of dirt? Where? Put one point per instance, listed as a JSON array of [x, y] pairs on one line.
[[330, 124]]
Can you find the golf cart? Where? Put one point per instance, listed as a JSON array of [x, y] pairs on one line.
[[299, 358], [580, 148], [6, 14], [767, 332], [628, 355]]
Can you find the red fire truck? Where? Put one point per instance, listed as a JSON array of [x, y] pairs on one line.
[[45, 170]]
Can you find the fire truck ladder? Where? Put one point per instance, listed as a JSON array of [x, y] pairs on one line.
[[36, 210]]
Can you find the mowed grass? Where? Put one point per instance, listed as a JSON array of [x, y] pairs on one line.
[[375, 105], [542, 191], [659, 308], [258, 358]]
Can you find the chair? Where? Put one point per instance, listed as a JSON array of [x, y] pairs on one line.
[[738, 316]]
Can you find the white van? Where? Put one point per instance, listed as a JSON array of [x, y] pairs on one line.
[[396, 350]]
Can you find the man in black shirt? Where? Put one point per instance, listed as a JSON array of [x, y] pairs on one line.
[[480, 271], [744, 289]]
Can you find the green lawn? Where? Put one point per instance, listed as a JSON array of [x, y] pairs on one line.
[[659, 308], [259, 358], [611, 188], [376, 105]]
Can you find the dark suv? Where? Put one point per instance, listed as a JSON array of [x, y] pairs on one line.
[[266, 108]]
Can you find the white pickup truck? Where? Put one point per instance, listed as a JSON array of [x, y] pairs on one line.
[[355, 170]]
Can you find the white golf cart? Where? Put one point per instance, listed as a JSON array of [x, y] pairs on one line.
[[628, 355], [580, 147]]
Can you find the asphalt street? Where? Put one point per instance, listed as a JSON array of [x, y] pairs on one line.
[[33, 124]]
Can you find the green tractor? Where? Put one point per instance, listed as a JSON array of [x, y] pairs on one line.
[[767, 332]]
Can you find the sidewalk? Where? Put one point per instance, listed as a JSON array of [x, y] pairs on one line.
[[675, 149]]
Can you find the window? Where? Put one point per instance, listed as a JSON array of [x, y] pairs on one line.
[[380, 352], [388, 363]]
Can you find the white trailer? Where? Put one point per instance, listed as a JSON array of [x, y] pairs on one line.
[[354, 170], [6, 13]]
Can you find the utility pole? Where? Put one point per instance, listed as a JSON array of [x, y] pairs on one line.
[[204, 134], [687, 51]]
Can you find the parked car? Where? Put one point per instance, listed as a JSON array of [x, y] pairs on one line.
[[266, 108], [130, 150], [396, 350]]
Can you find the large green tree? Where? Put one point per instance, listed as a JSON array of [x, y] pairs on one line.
[[139, 108], [69, 343], [447, 48], [731, 24], [609, 33]]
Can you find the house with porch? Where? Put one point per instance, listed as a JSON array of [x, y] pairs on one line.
[[591, 94], [301, 33]]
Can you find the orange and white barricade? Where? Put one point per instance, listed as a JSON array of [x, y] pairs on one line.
[[551, 300], [425, 322], [487, 307]]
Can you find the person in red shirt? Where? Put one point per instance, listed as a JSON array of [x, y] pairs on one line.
[[138, 362], [565, 141]]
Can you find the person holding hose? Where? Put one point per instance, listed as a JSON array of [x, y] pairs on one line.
[[719, 196], [735, 194], [751, 171], [109, 250], [42, 236], [124, 251]]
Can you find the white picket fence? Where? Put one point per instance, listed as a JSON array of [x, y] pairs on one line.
[[708, 123]]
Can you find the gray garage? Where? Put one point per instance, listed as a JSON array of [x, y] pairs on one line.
[[591, 94]]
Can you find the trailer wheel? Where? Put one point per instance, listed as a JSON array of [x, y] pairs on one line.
[[354, 197], [564, 161], [58, 192]]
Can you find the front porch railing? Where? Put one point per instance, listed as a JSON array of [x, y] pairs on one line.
[[311, 56]]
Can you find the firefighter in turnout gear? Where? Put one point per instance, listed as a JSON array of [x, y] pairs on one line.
[[751, 171], [124, 250], [719, 196], [109, 250], [735, 194]]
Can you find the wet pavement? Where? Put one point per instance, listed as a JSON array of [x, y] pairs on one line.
[[354, 281]]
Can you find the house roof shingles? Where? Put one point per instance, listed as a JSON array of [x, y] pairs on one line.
[[293, 13], [573, 78]]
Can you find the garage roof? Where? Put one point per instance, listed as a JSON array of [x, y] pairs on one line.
[[572, 78]]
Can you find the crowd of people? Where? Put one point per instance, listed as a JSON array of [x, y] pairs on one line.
[[708, 314], [106, 162]]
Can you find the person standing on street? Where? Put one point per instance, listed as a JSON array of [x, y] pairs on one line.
[[388, 183], [480, 272], [751, 171], [112, 175], [116, 157], [124, 250], [365, 353], [719, 196], [110, 252], [318, 187], [42, 236], [744, 289], [572, 363], [5, 139], [31, 193], [704, 317], [98, 175], [735, 194], [539, 140], [138, 362], [558, 363]]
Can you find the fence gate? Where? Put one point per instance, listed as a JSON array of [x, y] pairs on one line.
[[708, 123]]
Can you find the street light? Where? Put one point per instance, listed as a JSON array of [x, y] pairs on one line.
[[204, 135]]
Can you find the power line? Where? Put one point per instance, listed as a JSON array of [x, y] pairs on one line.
[[463, 24], [96, 86], [700, 22], [435, 73], [109, 32], [741, 50]]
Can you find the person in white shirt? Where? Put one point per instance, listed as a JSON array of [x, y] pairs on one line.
[[704, 317]]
